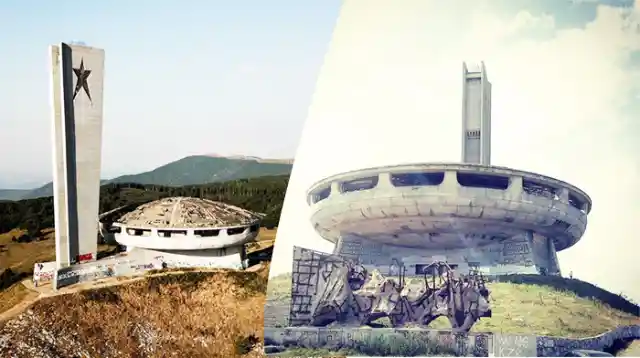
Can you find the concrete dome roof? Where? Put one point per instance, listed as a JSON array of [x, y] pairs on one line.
[[187, 212]]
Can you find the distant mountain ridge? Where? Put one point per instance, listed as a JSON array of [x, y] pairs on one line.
[[191, 170], [13, 194], [257, 159]]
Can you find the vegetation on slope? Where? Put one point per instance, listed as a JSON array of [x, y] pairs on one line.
[[195, 170], [191, 314], [18, 258], [18, 254], [524, 304], [192, 170], [263, 195]]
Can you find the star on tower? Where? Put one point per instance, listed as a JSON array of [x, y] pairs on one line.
[[82, 75]]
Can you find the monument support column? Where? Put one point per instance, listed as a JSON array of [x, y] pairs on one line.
[[77, 74]]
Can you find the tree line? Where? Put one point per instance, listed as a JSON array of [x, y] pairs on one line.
[[262, 194]]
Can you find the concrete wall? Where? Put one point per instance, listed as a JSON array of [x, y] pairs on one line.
[[516, 255], [81, 273], [77, 144], [185, 242], [139, 261], [474, 343], [347, 337], [229, 257], [554, 216], [557, 346]]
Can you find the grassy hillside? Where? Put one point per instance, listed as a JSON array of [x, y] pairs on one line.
[[524, 304], [221, 315], [193, 170], [17, 259]]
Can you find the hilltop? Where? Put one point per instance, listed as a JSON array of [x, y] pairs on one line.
[[521, 304], [192, 170], [221, 315], [26, 234]]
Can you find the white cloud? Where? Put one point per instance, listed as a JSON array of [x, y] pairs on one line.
[[389, 92]]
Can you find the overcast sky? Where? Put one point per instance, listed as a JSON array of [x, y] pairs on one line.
[[566, 103], [182, 78]]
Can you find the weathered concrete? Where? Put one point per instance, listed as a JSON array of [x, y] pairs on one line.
[[474, 343], [476, 116], [189, 230], [377, 215], [188, 212], [77, 91], [349, 337], [384, 209]]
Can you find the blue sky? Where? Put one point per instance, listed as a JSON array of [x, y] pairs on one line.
[[181, 78]]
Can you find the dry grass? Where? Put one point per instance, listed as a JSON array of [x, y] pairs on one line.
[[12, 296], [190, 314], [523, 309], [20, 258], [193, 314], [266, 238], [633, 350], [267, 234]]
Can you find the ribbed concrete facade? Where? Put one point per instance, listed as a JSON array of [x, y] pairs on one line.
[[494, 219], [77, 74]]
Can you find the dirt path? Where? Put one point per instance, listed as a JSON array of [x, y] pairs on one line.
[[28, 300]]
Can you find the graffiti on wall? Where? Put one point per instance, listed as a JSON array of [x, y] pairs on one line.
[[514, 255], [43, 272], [84, 257], [143, 267], [327, 288], [514, 345]]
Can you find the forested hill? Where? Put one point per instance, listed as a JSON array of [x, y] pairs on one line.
[[263, 195], [192, 170]]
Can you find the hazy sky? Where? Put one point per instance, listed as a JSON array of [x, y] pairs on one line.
[[566, 103], [182, 78]]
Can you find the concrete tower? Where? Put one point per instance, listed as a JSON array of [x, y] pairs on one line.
[[476, 116], [77, 74]]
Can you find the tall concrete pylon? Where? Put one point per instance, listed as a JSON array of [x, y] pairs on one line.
[[476, 116], [77, 76]]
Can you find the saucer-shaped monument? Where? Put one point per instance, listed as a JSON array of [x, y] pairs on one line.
[[187, 231]]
